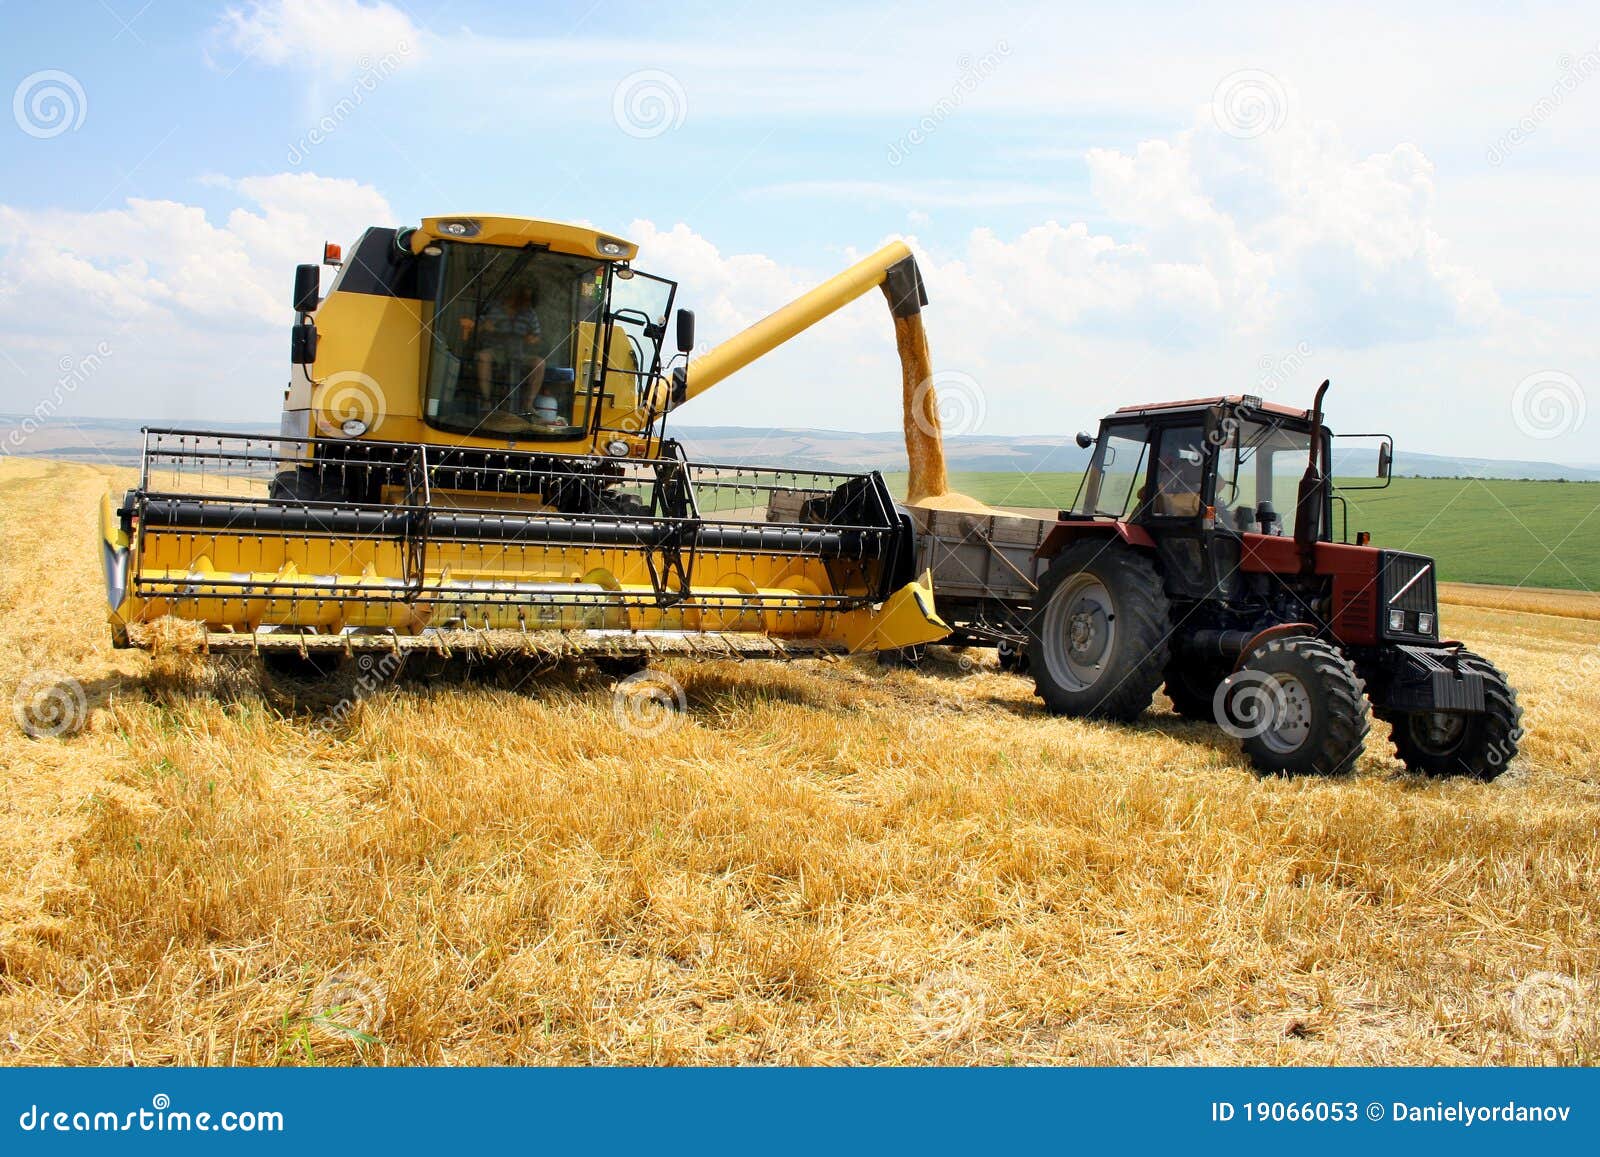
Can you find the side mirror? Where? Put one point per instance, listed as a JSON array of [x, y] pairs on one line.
[[1385, 459], [307, 287], [685, 330], [303, 343], [1085, 439]]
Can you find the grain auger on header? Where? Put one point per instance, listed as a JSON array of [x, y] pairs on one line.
[[473, 457]]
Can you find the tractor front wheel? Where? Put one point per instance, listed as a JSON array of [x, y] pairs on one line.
[[1298, 706], [1098, 643], [1480, 746]]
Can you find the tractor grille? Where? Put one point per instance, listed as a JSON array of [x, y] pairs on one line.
[[1406, 584]]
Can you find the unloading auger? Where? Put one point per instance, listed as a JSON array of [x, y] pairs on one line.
[[472, 457]]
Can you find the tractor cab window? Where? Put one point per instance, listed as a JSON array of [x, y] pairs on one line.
[[1116, 472], [1259, 465], [1175, 489], [510, 329]]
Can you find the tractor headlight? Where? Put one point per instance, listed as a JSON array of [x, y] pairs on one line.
[[1397, 620], [1424, 623], [617, 448], [459, 228], [353, 428], [611, 248]]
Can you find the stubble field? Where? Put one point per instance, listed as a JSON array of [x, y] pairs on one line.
[[821, 863]]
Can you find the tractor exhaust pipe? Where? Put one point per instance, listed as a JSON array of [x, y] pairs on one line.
[[1310, 499]]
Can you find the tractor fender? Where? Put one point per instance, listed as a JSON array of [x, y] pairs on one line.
[[1067, 532], [1274, 632]]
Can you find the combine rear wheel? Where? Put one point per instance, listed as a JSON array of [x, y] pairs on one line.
[[1481, 746], [1098, 643], [1299, 707]]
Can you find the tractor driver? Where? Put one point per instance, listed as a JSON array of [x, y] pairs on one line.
[[1179, 474], [511, 339]]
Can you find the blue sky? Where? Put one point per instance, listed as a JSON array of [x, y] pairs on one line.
[[1110, 204]]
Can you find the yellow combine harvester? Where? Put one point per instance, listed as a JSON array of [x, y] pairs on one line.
[[473, 456]]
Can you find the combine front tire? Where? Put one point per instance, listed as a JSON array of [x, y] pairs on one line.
[[1299, 707], [1480, 746], [1099, 639]]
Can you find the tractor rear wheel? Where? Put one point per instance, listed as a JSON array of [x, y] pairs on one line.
[[1299, 707], [1480, 746], [1098, 642]]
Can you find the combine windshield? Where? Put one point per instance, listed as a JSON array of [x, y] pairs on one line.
[[513, 332]]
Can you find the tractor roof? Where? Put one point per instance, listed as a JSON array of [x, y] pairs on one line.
[[1198, 404], [478, 229]]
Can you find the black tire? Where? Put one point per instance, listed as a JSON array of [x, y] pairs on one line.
[[1098, 642], [1192, 687], [1478, 746], [1299, 707]]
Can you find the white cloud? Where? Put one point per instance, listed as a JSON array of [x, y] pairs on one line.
[[197, 310], [329, 36]]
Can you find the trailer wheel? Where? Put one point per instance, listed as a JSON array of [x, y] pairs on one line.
[[1192, 687], [1298, 706], [1480, 746], [1098, 642]]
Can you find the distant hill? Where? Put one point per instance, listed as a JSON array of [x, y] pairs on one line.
[[1034, 454], [118, 440]]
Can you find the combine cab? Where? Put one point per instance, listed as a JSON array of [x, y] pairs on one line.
[[473, 458]]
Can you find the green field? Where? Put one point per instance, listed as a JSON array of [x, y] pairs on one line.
[[1542, 534]]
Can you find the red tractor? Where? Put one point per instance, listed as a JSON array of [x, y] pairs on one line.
[[1199, 552]]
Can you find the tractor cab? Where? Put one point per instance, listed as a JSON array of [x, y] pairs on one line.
[[1233, 464]]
